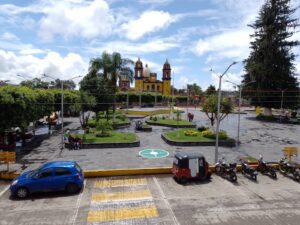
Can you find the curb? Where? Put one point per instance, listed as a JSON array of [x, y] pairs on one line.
[[229, 143], [172, 126], [121, 172]]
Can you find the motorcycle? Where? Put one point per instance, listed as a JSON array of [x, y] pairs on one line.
[[286, 167], [264, 168], [248, 170], [225, 170]]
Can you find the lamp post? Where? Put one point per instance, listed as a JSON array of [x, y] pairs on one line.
[[218, 110], [281, 103], [240, 87], [62, 106]]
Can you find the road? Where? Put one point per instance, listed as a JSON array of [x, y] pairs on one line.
[[160, 200]]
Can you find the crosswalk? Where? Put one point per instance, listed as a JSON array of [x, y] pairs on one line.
[[122, 201]]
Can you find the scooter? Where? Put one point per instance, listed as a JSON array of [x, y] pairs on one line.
[[225, 170], [264, 168], [286, 167], [248, 170]]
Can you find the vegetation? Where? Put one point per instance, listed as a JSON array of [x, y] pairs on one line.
[[168, 121], [211, 90], [271, 61], [115, 137], [147, 113], [210, 107]]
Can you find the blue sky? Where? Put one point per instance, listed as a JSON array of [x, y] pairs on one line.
[[60, 37]]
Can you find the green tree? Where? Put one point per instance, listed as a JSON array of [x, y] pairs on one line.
[[270, 62], [67, 84], [194, 89], [211, 90], [86, 104], [210, 108], [112, 67], [35, 83]]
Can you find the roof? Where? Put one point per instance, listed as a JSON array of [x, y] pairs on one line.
[[59, 164], [184, 155]]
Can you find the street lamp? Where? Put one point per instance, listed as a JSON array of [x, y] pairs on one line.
[[281, 104], [218, 111], [62, 106], [240, 87]]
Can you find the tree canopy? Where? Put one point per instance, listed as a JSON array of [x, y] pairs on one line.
[[271, 61]]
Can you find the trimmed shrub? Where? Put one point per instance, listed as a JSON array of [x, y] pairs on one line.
[[208, 134], [202, 128], [223, 135], [191, 133]]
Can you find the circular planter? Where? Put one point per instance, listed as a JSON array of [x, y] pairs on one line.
[[171, 125], [108, 145], [223, 143]]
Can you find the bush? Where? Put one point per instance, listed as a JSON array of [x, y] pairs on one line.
[[163, 118], [103, 134], [190, 133], [121, 117], [208, 134], [202, 128], [265, 117], [154, 118], [223, 135]]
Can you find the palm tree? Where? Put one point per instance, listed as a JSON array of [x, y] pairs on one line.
[[112, 67]]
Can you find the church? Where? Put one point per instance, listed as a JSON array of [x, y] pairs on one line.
[[146, 81]]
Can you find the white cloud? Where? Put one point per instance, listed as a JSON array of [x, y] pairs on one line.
[[154, 45], [149, 21], [231, 44], [52, 64], [87, 19], [8, 36]]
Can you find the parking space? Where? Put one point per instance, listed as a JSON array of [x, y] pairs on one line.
[[160, 200]]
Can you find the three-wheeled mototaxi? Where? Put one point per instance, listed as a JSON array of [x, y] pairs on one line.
[[190, 166]]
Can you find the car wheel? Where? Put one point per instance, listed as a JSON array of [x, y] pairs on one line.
[[72, 188], [22, 192]]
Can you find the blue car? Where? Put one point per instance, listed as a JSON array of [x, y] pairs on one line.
[[51, 176]]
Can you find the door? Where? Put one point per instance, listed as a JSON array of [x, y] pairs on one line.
[[62, 176], [201, 167], [194, 167], [42, 181]]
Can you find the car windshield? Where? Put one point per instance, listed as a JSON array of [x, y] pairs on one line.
[[34, 172]]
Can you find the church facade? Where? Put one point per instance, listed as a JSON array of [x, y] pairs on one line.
[[146, 81]]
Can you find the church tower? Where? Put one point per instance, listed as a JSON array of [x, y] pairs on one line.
[[138, 76], [166, 78]]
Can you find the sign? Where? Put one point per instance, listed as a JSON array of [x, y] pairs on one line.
[[7, 157], [153, 153], [290, 151]]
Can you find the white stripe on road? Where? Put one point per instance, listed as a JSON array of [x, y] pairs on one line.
[[73, 219], [5, 189]]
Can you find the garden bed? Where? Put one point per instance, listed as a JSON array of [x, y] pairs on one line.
[[178, 138], [170, 123], [117, 140]]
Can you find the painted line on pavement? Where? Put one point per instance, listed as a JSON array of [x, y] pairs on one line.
[[166, 201], [3, 191], [119, 183], [121, 196], [122, 214], [73, 219]]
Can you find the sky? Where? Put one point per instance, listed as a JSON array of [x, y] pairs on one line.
[[58, 38]]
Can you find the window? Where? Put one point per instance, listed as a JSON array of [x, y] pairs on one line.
[[45, 173], [153, 87], [78, 168], [158, 88], [61, 171]]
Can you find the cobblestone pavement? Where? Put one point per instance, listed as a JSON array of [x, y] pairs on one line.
[[256, 137]]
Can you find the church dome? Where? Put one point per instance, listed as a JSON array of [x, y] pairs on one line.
[[146, 71]]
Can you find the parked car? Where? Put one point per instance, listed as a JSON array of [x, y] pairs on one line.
[[51, 176]]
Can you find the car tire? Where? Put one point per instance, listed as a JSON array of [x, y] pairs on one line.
[[22, 193], [72, 188]]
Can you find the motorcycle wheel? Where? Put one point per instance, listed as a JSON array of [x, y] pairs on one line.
[[254, 177], [281, 169], [218, 170], [296, 175], [233, 177], [273, 174], [183, 180]]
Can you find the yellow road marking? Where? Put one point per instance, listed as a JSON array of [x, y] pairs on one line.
[[119, 183], [122, 214], [128, 195]]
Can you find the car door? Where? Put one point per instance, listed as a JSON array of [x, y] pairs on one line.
[[61, 177], [42, 180]]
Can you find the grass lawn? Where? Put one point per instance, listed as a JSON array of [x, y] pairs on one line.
[[168, 121], [116, 137], [147, 113], [173, 135], [93, 122]]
